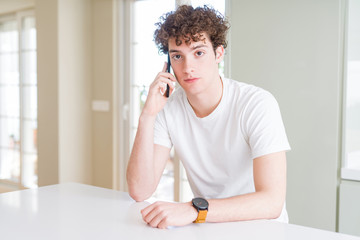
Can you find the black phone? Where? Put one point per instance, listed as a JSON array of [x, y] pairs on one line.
[[167, 93]]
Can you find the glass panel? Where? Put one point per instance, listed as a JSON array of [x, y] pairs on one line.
[[185, 190], [29, 177], [147, 60], [9, 37], [9, 164], [165, 189], [30, 136], [29, 71], [352, 115], [30, 102], [9, 68], [9, 101], [10, 133], [29, 33]]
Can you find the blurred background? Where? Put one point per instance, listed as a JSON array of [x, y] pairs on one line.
[[74, 75]]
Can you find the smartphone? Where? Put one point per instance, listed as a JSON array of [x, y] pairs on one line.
[[167, 93]]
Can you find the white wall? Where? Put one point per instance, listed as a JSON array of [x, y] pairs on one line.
[[46, 12], [291, 48], [75, 90], [103, 62], [64, 90], [7, 6]]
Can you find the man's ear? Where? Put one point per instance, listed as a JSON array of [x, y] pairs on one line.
[[219, 53]]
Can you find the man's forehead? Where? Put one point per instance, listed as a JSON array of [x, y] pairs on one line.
[[203, 42]]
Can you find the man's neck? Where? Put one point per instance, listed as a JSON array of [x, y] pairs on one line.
[[205, 103]]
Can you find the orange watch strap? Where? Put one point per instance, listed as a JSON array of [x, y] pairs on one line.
[[201, 216]]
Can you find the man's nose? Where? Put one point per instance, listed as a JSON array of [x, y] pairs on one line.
[[188, 65]]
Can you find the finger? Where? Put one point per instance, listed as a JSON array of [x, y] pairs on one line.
[[160, 84], [167, 75], [164, 67], [150, 212], [162, 90], [145, 211], [164, 80], [163, 224], [154, 222], [172, 88]]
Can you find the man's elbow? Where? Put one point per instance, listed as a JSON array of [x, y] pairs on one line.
[[138, 190], [276, 213], [138, 196], [275, 210]]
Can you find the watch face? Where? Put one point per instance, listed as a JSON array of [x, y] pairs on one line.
[[200, 203]]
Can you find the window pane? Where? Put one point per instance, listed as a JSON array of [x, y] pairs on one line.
[[30, 102], [29, 177], [18, 128], [30, 136], [185, 190], [9, 164], [8, 37], [29, 34], [10, 133], [9, 101], [9, 68], [147, 60], [29, 67], [165, 189]]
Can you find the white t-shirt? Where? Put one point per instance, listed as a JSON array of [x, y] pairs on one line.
[[217, 151]]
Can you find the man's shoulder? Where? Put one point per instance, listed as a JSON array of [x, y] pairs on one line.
[[244, 91]]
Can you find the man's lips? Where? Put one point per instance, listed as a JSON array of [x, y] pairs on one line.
[[190, 80]]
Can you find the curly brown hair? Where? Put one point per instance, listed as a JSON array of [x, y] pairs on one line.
[[189, 24]]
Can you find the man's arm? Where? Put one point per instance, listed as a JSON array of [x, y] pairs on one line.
[[265, 203], [147, 160]]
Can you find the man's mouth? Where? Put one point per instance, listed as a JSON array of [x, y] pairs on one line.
[[190, 80]]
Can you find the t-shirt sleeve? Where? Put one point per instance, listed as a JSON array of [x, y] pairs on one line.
[[161, 132], [263, 125]]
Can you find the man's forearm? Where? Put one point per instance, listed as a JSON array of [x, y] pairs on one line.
[[140, 172], [251, 206], [258, 205]]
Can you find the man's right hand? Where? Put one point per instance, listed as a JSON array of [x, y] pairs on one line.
[[156, 98]]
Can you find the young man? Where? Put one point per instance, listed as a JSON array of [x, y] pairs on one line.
[[228, 135]]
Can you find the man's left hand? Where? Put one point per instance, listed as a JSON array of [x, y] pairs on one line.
[[164, 214]]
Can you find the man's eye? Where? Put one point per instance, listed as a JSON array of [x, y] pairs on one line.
[[176, 57], [199, 53]]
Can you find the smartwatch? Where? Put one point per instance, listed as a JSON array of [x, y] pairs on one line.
[[201, 205]]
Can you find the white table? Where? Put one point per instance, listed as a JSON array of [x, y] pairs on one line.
[[76, 211]]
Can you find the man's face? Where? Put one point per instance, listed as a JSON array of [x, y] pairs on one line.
[[195, 65]]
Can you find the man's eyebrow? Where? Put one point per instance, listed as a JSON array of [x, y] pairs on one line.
[[193, 48], [199, 46]]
